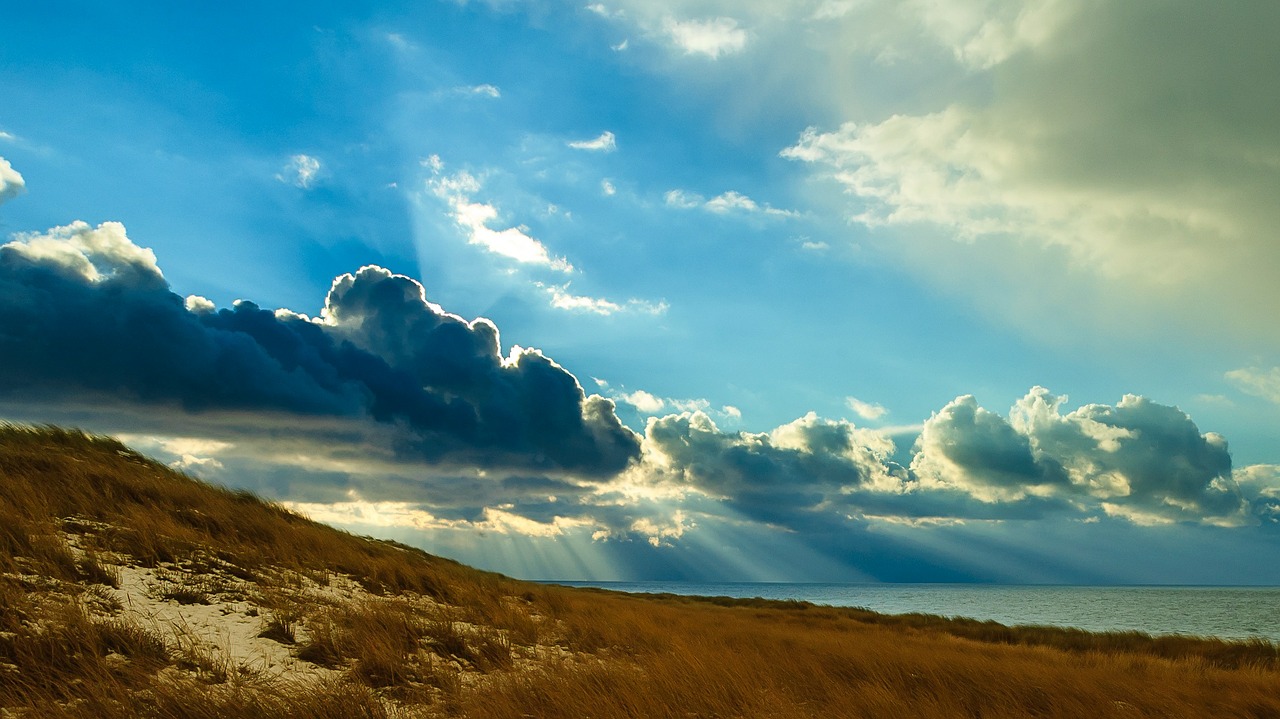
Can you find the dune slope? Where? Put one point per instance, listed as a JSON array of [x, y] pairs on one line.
[[128, 589]]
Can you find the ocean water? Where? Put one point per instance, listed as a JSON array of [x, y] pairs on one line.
[[1226, 612]]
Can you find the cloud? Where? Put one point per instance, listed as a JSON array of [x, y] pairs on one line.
[[607, 188], [647, 403], [387, 410], [606, 142], [1264, 383], [1138, 461], [786, 477], [1137, 456], [983, 34], [712, 37], [11, 182], [730, 202], [833, 9], [474, 218], [482, 90], [561, 299], [683, 200], [301, 171], [643, 401], [602, 10], [86, 317], [1081, 153], [865, 410], [966, 447]]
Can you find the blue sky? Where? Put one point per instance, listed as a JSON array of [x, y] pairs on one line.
[[817, 260]]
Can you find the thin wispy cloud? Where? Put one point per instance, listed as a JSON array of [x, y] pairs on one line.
[[563, 299], [1257, 381], [475, 218], [726, 203], [301, 171], [485, 90], [865, 410], [605, 142]]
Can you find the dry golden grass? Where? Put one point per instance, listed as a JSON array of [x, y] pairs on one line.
[[431, 637]]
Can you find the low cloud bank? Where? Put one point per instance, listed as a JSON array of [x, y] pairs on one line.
[[387, 407]]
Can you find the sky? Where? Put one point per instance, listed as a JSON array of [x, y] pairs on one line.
[[820, 290]]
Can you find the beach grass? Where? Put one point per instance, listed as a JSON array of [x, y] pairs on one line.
[[130, 590]]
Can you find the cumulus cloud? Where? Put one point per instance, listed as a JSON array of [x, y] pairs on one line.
[[606, 142], [300, 171], [711, 37], [966, 447], [644, 401], [1138, 459], [87, 316], [784, 477], [475, 217], [11, 182]]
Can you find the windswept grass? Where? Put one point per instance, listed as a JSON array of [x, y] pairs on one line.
[[395, 632]]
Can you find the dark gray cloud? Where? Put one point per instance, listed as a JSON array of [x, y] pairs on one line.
[[84, 311], [793, 475]]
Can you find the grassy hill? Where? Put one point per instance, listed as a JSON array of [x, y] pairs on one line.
[[127, 589]]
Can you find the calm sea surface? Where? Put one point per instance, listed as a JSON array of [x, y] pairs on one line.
[[1227, 612]]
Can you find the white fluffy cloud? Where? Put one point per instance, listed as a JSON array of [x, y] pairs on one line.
[[11, 182], [711, 37], [644, 401], [92, 254]]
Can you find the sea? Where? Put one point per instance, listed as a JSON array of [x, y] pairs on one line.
[[1224, 612]]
